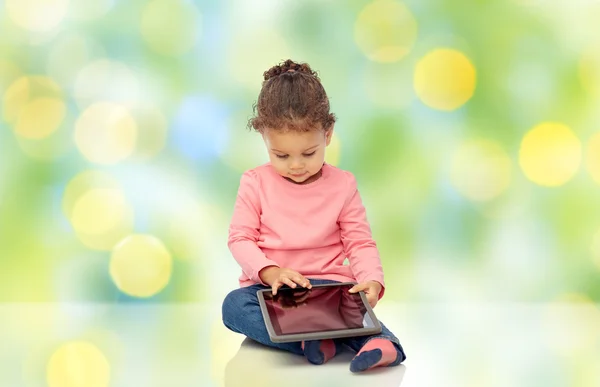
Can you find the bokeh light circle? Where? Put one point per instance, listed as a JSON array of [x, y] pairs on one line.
[[101, 217], [141, 265], [106, 133], [37, 15], [593, 157], [25, 90], [34, 106], [480, 170], [170, 27], [444, 79], [40, 118], [385, 31], [550, 154], [78, 364], [98, 211], [82, 183]]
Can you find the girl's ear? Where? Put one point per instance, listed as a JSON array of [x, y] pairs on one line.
[[328, 135]]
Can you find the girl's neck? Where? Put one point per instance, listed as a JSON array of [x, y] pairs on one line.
[[311, 179]]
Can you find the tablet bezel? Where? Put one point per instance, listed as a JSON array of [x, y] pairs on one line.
[[335, 334]]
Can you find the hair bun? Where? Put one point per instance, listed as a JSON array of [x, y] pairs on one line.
[[289, 66]]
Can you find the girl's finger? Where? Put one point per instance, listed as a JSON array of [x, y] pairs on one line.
[[276, 285], [300, 280], [288, 282], [358, 288]]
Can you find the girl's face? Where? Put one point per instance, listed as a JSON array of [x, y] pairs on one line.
[[297, 156]]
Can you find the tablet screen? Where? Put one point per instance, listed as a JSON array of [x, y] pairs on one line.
[[320, 309]]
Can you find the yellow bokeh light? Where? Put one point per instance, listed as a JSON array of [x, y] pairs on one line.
[[385, 31], [40, 118], [445, 79], [595, 249], [106, 133], [37, 15], [593, 157], [98, 211], [106, 81], [152, 131], [140, 265], [550, 154], [170, 27], [101, 218], [34, 107], [332, 156], [24, 91], [84, 182], [480, 170], [78, 364]]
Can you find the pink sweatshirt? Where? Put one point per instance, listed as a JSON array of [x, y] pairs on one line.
[[309, 228]]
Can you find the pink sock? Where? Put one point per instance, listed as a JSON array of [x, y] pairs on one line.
[[375, 353]]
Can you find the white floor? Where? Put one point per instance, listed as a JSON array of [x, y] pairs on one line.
[[186, 345], [254, 365]]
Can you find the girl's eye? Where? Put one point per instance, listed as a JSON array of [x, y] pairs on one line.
[[281, 157], [310, 154]]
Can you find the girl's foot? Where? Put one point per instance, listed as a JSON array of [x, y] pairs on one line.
[[376, 353], [319, 351]]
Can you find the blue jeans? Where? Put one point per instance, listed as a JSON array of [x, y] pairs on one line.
[[242, 314]]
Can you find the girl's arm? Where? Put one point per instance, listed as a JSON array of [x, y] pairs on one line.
[[359, 246], [244, 229]]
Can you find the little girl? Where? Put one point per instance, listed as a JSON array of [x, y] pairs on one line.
[[296, 219]]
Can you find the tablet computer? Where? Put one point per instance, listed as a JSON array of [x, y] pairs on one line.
[[326, 311]]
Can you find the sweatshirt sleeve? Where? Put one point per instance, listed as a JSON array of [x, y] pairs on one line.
[[359, 246], [244, 229]]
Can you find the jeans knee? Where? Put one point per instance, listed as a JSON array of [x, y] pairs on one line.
[[234, 305], [229, 305]]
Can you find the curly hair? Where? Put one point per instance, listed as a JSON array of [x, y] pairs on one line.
[[292, 98]]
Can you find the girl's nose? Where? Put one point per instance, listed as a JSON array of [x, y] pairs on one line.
[[297, 164]]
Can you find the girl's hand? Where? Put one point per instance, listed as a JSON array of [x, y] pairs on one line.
[[276, 277], [371, 289]]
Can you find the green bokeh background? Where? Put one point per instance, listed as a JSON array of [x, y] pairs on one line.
[[531, 243]]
